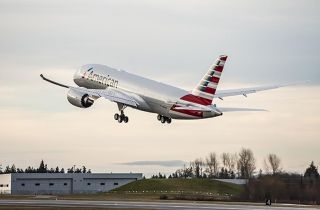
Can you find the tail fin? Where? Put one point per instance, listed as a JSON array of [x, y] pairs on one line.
[[203, 93]]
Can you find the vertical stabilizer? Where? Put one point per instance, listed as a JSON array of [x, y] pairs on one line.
[[204, 92]]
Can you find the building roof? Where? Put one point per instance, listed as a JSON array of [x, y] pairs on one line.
[[78, 175]]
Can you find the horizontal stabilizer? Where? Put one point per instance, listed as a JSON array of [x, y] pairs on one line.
[[230, 109], [194, 108]]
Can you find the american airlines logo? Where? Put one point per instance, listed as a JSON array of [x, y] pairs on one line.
[[108, 81]]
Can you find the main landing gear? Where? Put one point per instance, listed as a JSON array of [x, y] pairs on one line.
[[164, 119], [121, 117]]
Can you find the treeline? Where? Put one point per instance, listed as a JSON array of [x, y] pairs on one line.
[[240, 165], [43, 168], [286, 187], [273, 183], [226, 166]]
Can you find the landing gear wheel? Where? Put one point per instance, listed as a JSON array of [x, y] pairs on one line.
[[163, 119], [116, 116], [125, 119], [120, 119]]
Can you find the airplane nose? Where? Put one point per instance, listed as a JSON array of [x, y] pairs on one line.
[[77, 76]]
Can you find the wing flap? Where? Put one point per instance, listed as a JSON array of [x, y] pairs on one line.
[[119, 97], [111, 94]]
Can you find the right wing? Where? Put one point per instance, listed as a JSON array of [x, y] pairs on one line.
[[112, 94]]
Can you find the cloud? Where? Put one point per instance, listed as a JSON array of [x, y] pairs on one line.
[[91, 137], [166, 163], [171, 42], [272, 42]]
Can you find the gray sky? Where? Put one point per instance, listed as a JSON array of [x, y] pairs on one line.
[[268, 42]]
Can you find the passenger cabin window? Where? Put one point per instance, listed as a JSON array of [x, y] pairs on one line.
[[116, 183], [37, 184], [22, 184], [51, 184], [65, 184], [102, 183], [89, 183], [1, 185]]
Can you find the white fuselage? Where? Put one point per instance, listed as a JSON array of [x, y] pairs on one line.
[[151, 95], [128, 90]]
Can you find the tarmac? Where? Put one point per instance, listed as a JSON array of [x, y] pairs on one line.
[[148, 205]]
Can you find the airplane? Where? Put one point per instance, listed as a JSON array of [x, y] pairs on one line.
[[168, 102]]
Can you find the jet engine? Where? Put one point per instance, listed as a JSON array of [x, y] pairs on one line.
[[79, 99]]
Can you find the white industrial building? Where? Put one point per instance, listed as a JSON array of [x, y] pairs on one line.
[[60, 183]]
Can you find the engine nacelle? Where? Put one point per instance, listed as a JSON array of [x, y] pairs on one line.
[[79, 99]]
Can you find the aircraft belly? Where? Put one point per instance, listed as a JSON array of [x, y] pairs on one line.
[[142, 104], [157, 106], [179, 115]]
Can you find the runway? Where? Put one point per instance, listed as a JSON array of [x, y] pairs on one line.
[[145, 205]]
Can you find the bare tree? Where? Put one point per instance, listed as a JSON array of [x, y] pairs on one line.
[[229, 161], [275, 162], [246, 163], [272, 163], [266, 166], [186, 171], [212, 165], [197, 166], [225, 158]]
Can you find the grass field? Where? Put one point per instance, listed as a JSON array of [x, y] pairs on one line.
[[178, 186], [153, 189]]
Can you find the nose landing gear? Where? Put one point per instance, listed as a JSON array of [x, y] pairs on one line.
[[164, 119]]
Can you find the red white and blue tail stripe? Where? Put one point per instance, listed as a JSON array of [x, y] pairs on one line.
[[208, 85], [204, 92]]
